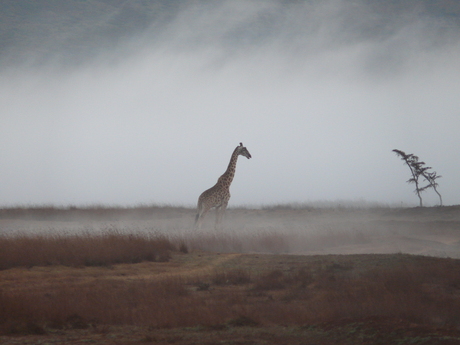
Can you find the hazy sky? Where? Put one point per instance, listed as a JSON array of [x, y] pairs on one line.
[[318, 103]]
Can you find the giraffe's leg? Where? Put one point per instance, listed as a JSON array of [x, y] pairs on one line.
[[216, 226], [220, 214], [199, 218], [197, 221]]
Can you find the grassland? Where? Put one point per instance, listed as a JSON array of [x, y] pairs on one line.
[[117, 287]]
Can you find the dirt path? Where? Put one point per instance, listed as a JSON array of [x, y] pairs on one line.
[[49, 277], [184, 266]]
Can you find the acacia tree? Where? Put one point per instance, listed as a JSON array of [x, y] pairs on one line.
[[431, 177], [414, 165], [418, 170]]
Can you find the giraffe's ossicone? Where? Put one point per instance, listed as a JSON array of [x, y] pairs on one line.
[[219, 195]]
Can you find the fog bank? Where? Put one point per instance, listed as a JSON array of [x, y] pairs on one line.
[[319, 93]]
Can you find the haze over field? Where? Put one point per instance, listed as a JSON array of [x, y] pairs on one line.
[[120, 102]]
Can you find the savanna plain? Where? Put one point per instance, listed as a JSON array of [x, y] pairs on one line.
[[286, 274]]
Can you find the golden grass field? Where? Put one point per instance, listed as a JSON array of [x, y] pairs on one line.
[[276, 275]]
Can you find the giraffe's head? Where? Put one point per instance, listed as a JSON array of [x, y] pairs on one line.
[[243, 151]]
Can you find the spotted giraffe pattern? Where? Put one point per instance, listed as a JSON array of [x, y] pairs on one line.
[[219, 195]]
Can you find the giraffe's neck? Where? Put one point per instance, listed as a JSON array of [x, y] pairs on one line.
[[227, 177]]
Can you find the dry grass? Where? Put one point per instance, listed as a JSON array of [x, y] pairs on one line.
[[302, 291], [81, 250], [92, 212], [109, 302], [419, 292], [114, 279]]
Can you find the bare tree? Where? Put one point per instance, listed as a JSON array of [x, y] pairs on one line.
[[418, 170]]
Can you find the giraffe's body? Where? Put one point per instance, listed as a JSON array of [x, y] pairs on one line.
[[219, 195]]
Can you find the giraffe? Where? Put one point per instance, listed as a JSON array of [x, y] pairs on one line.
[[219, 195]]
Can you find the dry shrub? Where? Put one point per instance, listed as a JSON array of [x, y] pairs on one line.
[[183, 248], [231, 277], [81, 250]]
